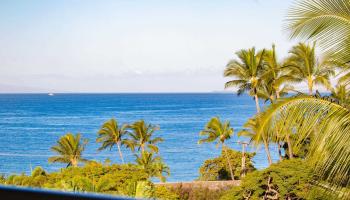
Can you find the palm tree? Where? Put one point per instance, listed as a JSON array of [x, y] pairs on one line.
[[85, 184], [329, 149], [70, 149], [215, 130], [341, 94], [246, 72], [250, 131], [153, 165], [112, 134], [142, 137], [276, 76], [328, 22], [303, 62]]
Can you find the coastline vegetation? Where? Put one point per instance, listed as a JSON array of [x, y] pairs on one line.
[[310, 130]]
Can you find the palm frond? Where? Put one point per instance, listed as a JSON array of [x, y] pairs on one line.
[[328, 121], [325, 21]]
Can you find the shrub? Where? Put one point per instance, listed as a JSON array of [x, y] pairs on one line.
[[218, 168], [197, 193], [144, 189], [93, 177], [289, 179], [163, 193]]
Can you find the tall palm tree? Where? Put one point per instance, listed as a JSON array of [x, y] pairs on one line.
[[142, 137], [328, 22], [112, 134], [70, 149], [217, 131], [328, 122], [304, 63], [275, 84], [246, 72]]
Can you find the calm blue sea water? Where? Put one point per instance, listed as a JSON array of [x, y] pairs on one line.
[[31, 123]]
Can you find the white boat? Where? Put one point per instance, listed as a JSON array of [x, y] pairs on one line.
[[50, 94]]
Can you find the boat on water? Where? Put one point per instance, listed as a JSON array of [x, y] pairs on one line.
[[50, 94]]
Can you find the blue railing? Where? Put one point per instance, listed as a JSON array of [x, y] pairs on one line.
[[19, 193]]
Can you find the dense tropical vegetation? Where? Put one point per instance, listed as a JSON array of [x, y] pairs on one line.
[[217, 169]]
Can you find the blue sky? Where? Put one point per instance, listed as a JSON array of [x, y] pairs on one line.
[[131, 45]]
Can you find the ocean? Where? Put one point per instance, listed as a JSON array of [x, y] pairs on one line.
[[31, 123]]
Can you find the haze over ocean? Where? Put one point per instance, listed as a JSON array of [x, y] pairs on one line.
[[31, 123]]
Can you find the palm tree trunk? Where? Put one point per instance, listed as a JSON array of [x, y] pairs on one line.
[[74, 162], [228, 161], [257, 103], [277, 94], [265, 142], [243, 172], [290, 149], [279, 151], [120, 152], [309, 84], [267, 150], [278, 143]]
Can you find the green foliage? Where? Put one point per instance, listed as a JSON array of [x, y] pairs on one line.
[[142, 137], [144, 189], [246, 71], [2, 179], [325, 21], [275, 77], [289, 179], [328, 124], [318, 193], [215, 130], [38, 171], [69, 149], [111, 134], [163, 193], [218, 131], [340, 94], [308, 68], [127, 179], [94, 177], [197, 193], [153, 165], [218, 169]]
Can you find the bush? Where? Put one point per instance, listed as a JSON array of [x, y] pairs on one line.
[[163, 193], [197, 193], [94, 177], [289, 179], [144, 189], [218, 168]]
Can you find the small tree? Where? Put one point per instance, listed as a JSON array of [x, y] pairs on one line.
[[142, 137], [70, 149], [112, 134], [215, 130], [153, 165]]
